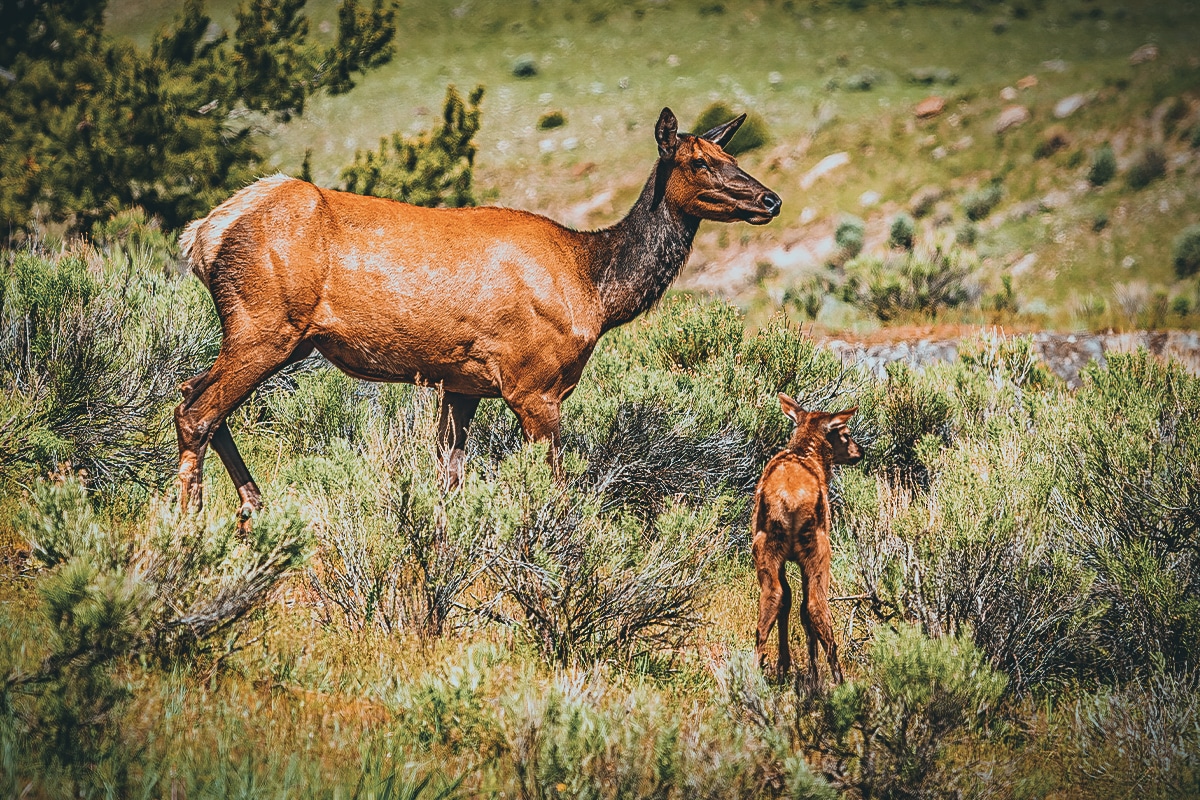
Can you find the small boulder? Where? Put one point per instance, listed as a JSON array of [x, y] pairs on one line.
[[1008, 94], [1011, 117], [869, 198], [1028, 82], [1069, 105], [929, 107], [823, 167], [1144, 54]]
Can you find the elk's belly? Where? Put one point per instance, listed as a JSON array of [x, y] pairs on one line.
[[455, 368]]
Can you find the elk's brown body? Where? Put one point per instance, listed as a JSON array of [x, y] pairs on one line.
[[483, 302], [791, 523]]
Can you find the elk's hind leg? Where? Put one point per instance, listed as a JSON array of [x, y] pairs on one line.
[[783, 664], [818, 625], [769, 570], [210, 397], [247, 489]]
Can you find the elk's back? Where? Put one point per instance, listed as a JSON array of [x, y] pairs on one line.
[[395, 292]]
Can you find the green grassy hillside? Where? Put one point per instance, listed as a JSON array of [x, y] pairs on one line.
[[827, 79]]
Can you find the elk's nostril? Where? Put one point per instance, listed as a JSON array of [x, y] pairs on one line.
[[772, 203]]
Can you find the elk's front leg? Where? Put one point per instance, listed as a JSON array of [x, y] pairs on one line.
[[454, 421], [541, 420]]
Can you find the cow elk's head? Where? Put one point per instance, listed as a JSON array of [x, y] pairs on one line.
[[705, 181]]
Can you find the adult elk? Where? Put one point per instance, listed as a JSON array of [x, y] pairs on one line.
[[791, 523], [483, 302]]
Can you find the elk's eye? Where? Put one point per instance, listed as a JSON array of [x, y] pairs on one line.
[[699, 164]]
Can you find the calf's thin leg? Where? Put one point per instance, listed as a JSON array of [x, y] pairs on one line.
[[812, 678], [783, 664], [819, 625], [454, 421], [770, 600]]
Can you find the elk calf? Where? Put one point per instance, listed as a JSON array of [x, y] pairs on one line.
[[791, 523]]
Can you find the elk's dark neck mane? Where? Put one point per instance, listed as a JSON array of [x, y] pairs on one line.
[[809, 443], [634, 261]]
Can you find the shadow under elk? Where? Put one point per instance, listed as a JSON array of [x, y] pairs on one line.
[[481, 302], [791, 523]]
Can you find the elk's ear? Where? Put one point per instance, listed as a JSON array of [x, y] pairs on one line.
[[666, 132], [721, 134], [839, 419], [791, 408]]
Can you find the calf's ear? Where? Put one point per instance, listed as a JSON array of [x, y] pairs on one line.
[[839, 419], [791, 408]]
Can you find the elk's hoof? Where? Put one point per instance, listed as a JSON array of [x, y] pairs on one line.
[[244, 525]]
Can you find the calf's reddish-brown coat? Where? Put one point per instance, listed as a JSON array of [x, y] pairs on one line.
[[791, 523], [483, 302]]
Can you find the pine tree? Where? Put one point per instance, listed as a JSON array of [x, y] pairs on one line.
[[90, 124], [433, 169]]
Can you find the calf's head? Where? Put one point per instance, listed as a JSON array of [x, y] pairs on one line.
[[703, 180], [832, 427]]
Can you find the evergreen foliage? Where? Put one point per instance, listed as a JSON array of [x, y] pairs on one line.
[[849, 236], [1103, 167], [903, 232], [433, 169], [752, 135], [1187, 252], [90, 124]]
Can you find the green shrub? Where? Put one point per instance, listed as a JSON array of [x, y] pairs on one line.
[[1104, 166], [433, 169], [688, 335], [91, 361], [1003, 301], [903, 232], [1142, 738], [886, 733], [861, 81], [917, 283], [979, 204], [966, 235], [1131, 490], [807, 298], [590, 589], [170, 591], [753, 134], [140, 238], [849, 236], [551, 120], [911, 416], [1186, 252], [1149, 166], [931, 75], [525, 66], [393, 553]]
